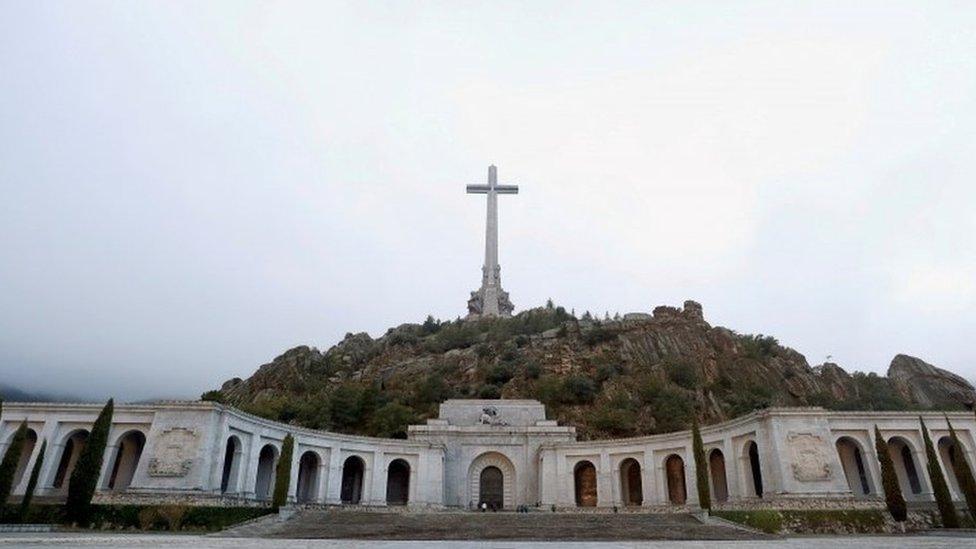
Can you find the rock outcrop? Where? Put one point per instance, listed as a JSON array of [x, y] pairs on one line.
[[929, 386], [638, 375]]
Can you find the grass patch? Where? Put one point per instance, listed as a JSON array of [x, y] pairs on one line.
[[813, 521]]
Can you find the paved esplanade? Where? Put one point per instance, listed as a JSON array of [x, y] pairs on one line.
[[117, 541], [490, 299]]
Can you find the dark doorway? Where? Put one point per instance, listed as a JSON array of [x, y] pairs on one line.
[[398, 483], [352, 480], [755, 470], [675, 469], [584, 475], [492, 488], [308, 477], [631, 483], [716, 467]]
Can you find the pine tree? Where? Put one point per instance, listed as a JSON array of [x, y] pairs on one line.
[[939, 487], [32, 483], [84, 478], [11, 458], [701, 466], [964, 472], [889, 480], [283, 473]]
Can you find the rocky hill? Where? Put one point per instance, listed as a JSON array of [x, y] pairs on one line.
[[638, 374]]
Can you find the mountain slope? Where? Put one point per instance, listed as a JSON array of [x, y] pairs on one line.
[[635, 375]]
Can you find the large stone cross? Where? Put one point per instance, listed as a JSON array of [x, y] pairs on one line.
[[490, 299]]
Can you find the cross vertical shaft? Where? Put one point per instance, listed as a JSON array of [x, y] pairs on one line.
[[490, 300]]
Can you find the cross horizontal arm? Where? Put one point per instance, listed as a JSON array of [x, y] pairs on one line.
[[478, 189], [506, 189]]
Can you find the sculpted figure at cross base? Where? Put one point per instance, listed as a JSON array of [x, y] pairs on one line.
[[489, 416]]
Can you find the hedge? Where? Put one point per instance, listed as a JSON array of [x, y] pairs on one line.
[[140, 517]]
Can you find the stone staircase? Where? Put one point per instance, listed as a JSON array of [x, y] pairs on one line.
[[539, 526]]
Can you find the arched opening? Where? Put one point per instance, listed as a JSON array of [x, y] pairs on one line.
[[716, 470], [127, 456], [906, 468], [308, 477], [753, 470], [70, 453], [491, 487], [584, 479], [352, 480], [398, 483], [631, 484], [267, 460], [25, 454], [674, 468], [950, 465], [232, 463], [855, 468]]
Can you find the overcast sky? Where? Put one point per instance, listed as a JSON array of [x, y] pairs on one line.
[[187, 189]]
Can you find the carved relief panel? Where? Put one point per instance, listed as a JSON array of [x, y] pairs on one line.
[[174, 453]]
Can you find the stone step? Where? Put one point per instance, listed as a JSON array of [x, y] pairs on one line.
[[344, 524]]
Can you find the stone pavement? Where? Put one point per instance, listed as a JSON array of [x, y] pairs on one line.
[[116, 541], [347, 524]]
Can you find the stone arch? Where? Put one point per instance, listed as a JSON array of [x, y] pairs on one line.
[[753, 469], [674, 469], [717, 476], [265, 481], [306, 490], [25, 454], [631, 483], [398, 482], [71, 448], [127, 454], [232, 465], [353, 470], [906, 466], [949, 464], [584, 484], [504, 467], [854, 463]]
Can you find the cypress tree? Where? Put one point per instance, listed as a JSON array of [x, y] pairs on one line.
[[939, 487], [11, 458], [964, 472], [889, 480], [32, 483], [701, 466], [84, 478], [283, 473]]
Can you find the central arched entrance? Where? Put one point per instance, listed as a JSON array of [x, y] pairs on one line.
[[491, 487], [491, 480]]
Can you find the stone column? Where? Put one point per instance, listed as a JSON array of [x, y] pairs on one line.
[[648, 485], [691, 478], [334, 484], [55, 446], [731, 476], [322, 490], [604, 483], [293, 477], [378, 484], [108, 462], [251, 467]]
